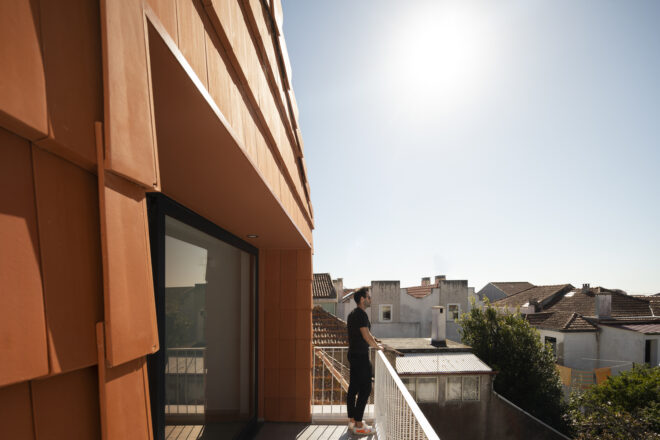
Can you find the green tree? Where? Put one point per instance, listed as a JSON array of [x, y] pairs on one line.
[[527, 375], [624, 406]]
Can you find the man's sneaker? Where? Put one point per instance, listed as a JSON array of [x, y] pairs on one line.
[[363, 430], [351, 425]]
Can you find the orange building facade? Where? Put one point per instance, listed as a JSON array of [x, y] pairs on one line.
[[155, 220]]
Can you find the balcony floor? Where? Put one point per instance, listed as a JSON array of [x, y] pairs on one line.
[[305, 431]]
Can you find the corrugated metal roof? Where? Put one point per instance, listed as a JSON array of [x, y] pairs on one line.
[[647, 329], [430, 363]]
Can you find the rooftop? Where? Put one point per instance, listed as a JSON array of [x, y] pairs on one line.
[[562, 321], [513, 287], [444, 363], [538, 293], [322, 287], [423, 345], [327, 329]]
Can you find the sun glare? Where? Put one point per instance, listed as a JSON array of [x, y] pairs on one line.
[[443, 53]]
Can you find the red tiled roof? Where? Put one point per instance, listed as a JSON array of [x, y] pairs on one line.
[[654, 302], [322, 287], [513, 287], [538, 293], [327, 329], [561, 321], [420, 291], [584, 303]]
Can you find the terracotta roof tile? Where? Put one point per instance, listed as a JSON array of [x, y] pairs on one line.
[[584, 303], [327, 329], [513, 287], [654, 302], [420, 291], [561, 321], [538, 293], [322, 287]]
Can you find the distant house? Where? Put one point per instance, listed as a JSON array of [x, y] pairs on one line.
[[592, 328], [499, 290], [397, 312], [454, 390], [324, 293]]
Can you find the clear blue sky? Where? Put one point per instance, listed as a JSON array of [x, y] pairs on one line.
[[487, 141]]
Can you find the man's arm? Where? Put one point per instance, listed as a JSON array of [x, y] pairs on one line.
[[366, 334]]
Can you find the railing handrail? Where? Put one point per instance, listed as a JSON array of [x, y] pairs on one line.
[[410, 401]]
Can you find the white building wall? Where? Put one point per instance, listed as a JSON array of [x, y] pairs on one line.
[[385, 292], [620, 348]]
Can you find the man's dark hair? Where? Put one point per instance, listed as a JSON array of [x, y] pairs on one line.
[[359, 294]]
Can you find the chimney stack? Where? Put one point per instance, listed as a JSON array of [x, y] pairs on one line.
[[439, 328], [439, 278], [603, 305], [585, 288], [426, 281]]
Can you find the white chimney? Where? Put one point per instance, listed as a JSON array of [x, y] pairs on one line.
[[604, 305], [439, 327]]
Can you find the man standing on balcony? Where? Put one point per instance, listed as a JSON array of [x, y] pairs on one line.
[[359, 341]]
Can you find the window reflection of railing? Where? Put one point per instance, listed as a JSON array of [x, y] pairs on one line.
[[397, 416], [185, 374]]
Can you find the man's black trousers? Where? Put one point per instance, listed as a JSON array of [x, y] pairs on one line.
[[359, 387]]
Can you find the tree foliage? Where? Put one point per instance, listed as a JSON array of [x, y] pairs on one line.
[[526, 372], [625, 406]]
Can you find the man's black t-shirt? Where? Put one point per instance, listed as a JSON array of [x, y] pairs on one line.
[[356, 319]]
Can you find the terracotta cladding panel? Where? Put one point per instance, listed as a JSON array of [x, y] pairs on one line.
[[287, 382], [16, 412], [166, 12], [58, 398], [304, 295], [273, 259], [23, 90], [23, 347], [289, 264], [288, 294], [272, 295], [303, 410], [271, 352], [304, 353], [272, 409], [192, 37], [129, 296], [287, 325], [304, 264], [272, 324], [128, 127], [287, 354], [72, 60], [220, 79], [272, 382], [304, 382], [303, 324], [68, 213], [288, 407], [127, 402]]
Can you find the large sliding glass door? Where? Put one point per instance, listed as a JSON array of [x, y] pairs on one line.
[[204, 374]]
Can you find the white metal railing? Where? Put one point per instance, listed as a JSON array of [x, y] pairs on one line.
[[330, 378], [397, 415]]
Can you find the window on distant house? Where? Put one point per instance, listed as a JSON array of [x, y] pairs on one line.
[[453, 312], [427, 389], [462, 388], [647, 351], [409, 382], [553, 345], [385, 312]]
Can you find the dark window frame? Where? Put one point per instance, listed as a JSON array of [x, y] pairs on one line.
[[158, 207]]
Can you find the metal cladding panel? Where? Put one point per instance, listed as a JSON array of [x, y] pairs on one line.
[[130, 144], [23, 350], [16, 412], [72, 59], [130, 310], [56, 399], [68, 217], [192, 38], [22, 79], [432, 363], [126, 401]]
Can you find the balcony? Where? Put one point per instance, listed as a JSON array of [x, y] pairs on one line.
[[391, 408]]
